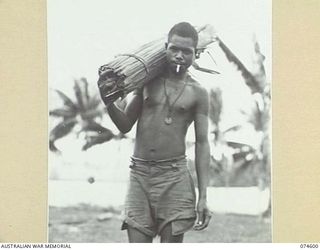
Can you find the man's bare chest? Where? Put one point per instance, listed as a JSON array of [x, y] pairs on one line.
[[180, 99]]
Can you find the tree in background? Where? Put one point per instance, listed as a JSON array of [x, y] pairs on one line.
[[260, 117], [84, 111], [234, 162]]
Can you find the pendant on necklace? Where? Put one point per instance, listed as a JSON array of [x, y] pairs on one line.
[[168, 120]]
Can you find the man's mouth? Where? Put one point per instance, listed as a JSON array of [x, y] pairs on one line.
[[177, 68], [178, 63]]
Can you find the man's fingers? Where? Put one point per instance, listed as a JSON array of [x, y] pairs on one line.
[[204, 223], [200, 218]]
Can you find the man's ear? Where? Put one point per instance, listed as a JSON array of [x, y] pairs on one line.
[[197, 53]]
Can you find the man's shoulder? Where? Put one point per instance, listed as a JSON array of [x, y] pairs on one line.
[[196, 85], [149, 84], [153, 82]]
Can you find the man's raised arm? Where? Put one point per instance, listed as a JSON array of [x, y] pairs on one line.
[[124, 120]]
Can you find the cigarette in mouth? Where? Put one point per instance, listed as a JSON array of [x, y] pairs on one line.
[[178, 68]]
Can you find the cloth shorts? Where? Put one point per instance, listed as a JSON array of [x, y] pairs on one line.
[[160, 192]]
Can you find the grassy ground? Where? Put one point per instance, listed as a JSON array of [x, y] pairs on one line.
[[95, 224]]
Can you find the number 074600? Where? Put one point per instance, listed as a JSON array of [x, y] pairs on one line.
[[309, 245]]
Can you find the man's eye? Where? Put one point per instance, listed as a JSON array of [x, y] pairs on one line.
[[173, 49], [184, 51], [187, 52]]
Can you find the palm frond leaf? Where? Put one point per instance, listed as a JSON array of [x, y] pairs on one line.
[[85, 89], [63, 112], [66, 100], [92, 140], [250, 80], [94, 102], [53, 148], [79, 96], [215, 105], [61, 130], [233, 128], [93, 126], [260, 74], [210, 71], [90, 115]]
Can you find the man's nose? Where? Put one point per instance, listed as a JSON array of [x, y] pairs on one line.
[[179, 55]]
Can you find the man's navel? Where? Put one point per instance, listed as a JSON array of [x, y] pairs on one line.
[[152, 151]]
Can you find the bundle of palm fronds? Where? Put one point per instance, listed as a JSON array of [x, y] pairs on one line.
[[131, 71]]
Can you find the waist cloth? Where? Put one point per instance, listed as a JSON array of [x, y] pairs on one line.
[[160, 192]]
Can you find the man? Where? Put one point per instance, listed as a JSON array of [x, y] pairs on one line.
[[161, 197]]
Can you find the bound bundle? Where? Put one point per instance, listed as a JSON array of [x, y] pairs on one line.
[[127, 72]]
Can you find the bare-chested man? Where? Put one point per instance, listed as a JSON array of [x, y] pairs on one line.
[[161, 197]]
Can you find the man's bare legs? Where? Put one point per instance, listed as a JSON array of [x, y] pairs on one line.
[[135, 236], [167, 237]]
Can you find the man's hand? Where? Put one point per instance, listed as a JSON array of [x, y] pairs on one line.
[[107, 86], [103, 87], [204, 215]]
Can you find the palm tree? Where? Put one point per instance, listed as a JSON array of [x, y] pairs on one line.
[[260, 117], [84, 111]]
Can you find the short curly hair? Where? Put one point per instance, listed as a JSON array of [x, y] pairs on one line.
[[184, 29]]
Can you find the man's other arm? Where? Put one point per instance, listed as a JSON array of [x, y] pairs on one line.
[[202, 156]]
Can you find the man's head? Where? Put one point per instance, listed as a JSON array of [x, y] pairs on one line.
[[181, 47], [184, 29]]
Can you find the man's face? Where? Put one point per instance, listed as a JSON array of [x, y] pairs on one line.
[[180, 51]]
